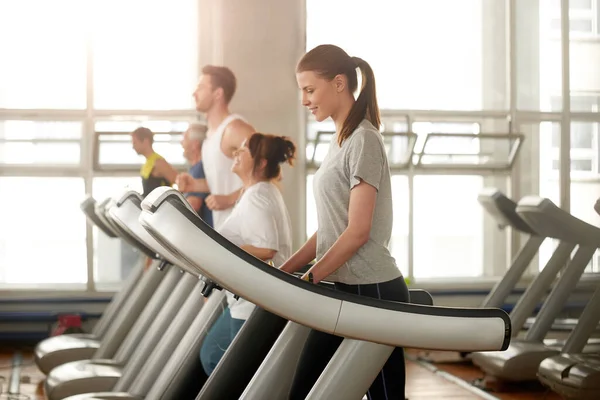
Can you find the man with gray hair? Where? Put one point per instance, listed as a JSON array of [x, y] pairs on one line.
[[192, 151]]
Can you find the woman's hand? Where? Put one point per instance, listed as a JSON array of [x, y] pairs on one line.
[[303, 256]]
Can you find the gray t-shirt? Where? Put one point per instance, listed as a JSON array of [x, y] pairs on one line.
[[362, 156]]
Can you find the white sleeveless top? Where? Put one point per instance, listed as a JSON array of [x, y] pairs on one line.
[[217, 168]]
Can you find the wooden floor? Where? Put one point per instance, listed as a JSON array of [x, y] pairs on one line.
[[429, 376], [452, 364]]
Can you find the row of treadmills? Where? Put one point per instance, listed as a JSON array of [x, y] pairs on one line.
[[569, 367], [146, 344]]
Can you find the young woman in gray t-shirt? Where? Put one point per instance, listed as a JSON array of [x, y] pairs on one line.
[[353, 197]]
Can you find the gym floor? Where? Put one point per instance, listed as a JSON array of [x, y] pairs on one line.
[[424, 380]]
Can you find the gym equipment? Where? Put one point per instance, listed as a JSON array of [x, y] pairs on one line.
[[58, 350], [521, 360], [150, 318], [572, 375], [371, 327], [504, 211]]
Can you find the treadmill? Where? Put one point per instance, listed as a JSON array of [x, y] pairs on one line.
[[521, 360], [179, 377], [371, 328], [58, 350], [104, 368], [504, 211], [572, 375]]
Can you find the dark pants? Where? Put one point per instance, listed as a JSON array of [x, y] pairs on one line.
[[320, 347]]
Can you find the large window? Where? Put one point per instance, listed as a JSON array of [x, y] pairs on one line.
[[42, 235], [34, 143], [114, 259], [113, 143], [583, 18], [43, 47], [399, 244], [426, 54], [145, 54], [448, 227], [92, 71]]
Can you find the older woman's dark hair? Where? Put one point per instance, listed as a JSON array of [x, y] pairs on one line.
[[276, 150]]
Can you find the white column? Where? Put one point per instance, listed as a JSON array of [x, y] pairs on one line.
[[261, 41]]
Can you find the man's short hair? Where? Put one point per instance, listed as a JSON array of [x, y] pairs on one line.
[[221, 77], [143, 133], [197, 132]]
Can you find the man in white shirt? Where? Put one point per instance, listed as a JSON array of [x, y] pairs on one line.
[[226, 133]]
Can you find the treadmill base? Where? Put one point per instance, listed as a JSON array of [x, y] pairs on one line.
[[81, 377], [573, 376], [104, 396], [518, 363], [58, 350]]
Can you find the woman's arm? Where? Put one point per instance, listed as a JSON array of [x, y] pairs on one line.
[[299, 259], [360, 218], [259, 252]]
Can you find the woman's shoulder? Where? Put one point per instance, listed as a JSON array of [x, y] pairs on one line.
[[365, 135], [262, 193]]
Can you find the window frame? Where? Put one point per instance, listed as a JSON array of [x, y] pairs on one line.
[[576, 14]]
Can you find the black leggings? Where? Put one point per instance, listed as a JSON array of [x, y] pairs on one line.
[[320, 347]]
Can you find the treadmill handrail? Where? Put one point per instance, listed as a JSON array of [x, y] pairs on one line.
[[549, 220], [503, 210], [145, 239], [347, 303], [129, 236], [102, 213], [88, 206]]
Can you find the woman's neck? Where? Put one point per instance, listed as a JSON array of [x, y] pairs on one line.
[[251, 181], [341, 114]]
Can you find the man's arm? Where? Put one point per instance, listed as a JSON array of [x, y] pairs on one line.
[[186, 183], [233, 137], [235, 134], [195, 202], [163, 169]]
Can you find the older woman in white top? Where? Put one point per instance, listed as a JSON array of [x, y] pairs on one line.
[[259, 223]]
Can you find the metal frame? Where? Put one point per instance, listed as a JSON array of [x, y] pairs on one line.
[[516, 140], [312, 165], [97, 166]]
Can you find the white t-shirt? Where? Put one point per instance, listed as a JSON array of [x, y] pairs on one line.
[[259, 219]]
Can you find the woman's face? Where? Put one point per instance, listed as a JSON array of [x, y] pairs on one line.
[[242, 161], [319, 95]]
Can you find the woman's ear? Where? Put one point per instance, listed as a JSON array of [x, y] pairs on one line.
[[263, 164], [339, 82]]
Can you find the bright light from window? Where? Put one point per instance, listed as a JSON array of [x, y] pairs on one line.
[[114, 259], [145, 54], [448, 227], [426, 54], [43, 54], [42, 239]]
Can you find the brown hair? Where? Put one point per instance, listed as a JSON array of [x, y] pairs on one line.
[[143, 133], [221, 77], [328, 61], [274, 149]]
